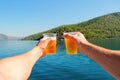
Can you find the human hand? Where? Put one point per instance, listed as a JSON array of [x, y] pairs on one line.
[[77, 37], [43, 43], [22, 64]]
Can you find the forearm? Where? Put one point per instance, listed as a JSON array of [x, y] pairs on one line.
[[21, 64], [34, 54], [106, 58]]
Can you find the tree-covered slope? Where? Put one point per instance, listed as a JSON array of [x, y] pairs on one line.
[[106, 26]]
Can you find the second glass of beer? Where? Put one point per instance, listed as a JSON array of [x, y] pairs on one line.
[[71, 47], [51, 47]]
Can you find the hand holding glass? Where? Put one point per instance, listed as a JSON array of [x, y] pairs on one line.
[[51, 47], [71, 47]]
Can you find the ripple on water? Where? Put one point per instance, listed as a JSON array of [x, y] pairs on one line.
[[59, 66]]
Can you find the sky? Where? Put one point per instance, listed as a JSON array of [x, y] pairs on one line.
[[25, 17]]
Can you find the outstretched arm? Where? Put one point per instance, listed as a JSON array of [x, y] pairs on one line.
[[19, 67], [108, 59]]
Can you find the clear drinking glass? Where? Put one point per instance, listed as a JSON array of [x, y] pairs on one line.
[[71, 47], [51, 47]]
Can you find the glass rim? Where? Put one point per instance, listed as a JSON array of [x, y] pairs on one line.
[[50, 34], [72, 33]]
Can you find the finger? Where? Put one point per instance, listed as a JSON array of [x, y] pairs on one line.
[[44, 40], [79, 34], [67, 35]]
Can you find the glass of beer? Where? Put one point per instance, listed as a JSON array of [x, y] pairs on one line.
[[51, 47], [71, 47]]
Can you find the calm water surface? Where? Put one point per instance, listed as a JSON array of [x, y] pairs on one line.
[[61, 66]]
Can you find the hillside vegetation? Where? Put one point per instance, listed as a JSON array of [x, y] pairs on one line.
[[106, 26]]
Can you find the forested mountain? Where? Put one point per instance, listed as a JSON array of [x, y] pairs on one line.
[[106, 26]]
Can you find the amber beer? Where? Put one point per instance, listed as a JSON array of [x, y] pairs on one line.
[[71, 47], [51, 47]]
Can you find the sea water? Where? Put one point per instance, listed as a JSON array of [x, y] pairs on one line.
[[61, 66]]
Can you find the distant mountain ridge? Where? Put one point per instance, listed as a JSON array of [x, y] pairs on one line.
[[106, 26], [3, 37], [6, 37]]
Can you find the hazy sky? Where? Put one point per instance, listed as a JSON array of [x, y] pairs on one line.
[[25, 17]]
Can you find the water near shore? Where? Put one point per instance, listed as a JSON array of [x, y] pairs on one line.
[[61, 66]]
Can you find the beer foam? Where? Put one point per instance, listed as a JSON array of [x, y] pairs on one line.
[[65, 33], [53, 38], [45, 38]]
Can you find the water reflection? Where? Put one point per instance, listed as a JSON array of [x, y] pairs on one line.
[[113, 44]]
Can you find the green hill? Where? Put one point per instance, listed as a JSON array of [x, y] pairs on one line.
[[106, 26]]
